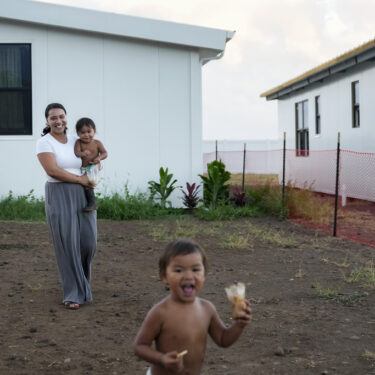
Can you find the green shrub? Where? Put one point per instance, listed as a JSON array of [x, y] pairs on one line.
[[163, 189], [215, 184], [132, 207], [23, 208], [267, 198]]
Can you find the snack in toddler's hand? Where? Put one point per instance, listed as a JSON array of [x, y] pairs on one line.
[[236, 295], [184, 352]]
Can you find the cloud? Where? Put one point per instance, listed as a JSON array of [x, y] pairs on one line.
[[275, 40]]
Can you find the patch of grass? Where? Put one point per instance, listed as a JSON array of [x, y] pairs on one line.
[[183, 228], [365, 276], [255, 231], [305, 204], [324, 292], [236, 241], [226, 212], [267, 198], [161, 233], [124, 206], [370, 356], [186, 229], [278, 240], [215, 228], [22, 208], [35, 288], [334, 294], [273, 238]]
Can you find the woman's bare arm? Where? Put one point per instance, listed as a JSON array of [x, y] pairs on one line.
[[48, 161], [226, 336]]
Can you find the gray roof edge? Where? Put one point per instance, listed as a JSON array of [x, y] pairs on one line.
[[349, 62], [114, 24]]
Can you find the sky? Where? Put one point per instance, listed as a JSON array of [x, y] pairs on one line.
[[275, 40]]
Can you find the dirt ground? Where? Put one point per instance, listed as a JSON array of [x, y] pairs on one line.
[[285, 267]]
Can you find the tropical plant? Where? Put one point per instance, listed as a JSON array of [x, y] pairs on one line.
[[191, 198], [215, 189], [163, 189], [238, 197]]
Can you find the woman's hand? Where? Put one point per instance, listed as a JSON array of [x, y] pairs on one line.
[[84, 181], [95, 161]]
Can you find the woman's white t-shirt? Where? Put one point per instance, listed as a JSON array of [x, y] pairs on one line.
[[64, 154]]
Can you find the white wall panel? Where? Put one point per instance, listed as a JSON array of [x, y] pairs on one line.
[[336, 115], [145, 99], [131, 106], [75, 75], [174, 97]]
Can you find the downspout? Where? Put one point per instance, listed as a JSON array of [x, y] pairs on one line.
[[205, 60]]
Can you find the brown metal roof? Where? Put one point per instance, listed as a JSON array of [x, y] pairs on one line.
[[304, 79]]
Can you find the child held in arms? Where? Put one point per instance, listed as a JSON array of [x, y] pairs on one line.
[[92, 152], [180, 323]]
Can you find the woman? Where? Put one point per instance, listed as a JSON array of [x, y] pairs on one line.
[[73, 231]]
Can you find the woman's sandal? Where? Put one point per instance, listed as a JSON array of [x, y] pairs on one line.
[[71, 305]]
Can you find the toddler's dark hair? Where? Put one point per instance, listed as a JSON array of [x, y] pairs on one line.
[[85, 121], [182, 246]]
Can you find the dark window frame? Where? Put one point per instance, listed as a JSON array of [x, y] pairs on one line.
[[355, 105], [317, 115], [302, 130], [23, 92]]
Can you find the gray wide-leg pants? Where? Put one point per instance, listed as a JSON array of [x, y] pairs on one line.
[[74, 236]]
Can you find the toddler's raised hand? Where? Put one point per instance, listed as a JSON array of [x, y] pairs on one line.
[[173, 362], [244, 317]]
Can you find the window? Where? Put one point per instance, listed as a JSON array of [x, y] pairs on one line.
[[355, 104], [302, 129], [15, 89], [317, 114]]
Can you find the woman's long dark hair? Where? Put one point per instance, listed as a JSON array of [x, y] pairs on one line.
[[50, 106]]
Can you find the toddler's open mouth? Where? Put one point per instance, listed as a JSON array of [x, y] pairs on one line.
[[188, 290]]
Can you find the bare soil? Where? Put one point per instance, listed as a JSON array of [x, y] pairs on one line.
[[286, 268]]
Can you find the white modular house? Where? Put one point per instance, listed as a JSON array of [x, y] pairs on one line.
[[335, 97], [139, 80]]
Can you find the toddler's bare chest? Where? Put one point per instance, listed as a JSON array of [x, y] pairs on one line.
[[91, 147], [193, 326]]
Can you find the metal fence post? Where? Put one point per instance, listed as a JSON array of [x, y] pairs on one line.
[[243, 167], [283, 190], [337, 185], [216, 150]]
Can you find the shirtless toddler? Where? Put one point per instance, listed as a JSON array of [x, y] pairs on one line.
[[91, 151], [180, 323]]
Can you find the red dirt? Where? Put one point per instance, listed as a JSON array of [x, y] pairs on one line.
[[294, 331]]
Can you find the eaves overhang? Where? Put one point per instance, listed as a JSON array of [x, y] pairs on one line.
[[209, 42], [361, 54]]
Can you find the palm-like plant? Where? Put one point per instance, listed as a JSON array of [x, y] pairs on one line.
[[215, 189], [163, 189]]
